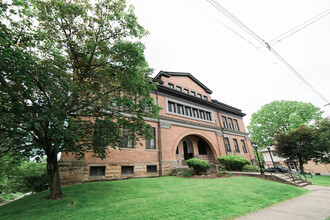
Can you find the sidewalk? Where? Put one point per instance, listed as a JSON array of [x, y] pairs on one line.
[[312, 205]]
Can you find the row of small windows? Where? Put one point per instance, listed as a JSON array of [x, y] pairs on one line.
[[237, 150], [189, 111], [231, 124], [125, 170], [179, 88]]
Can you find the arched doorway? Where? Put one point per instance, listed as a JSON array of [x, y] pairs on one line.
[[193, 146]]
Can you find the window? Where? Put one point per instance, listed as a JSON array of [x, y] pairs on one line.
[[236, 146], [177, 150], [195, 113], [151, 143], [193, 93], [208, 116], [97, 171], [236, 125], [230, 123], [178, 88], [205, 97], [100, 138], [126, 170], [227, 145], [171, 85], [171, 107], [188, 111], [180, 109], [128, 139], [202, 147], [202, 113], [199, 95], [243, 146], [151, 169], [186, 91], [224, 121]]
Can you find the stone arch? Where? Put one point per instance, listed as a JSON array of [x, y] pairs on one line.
[[213, 146]]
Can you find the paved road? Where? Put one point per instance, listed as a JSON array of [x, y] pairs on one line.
[[313, 205]]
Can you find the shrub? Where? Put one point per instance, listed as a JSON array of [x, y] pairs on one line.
[[230, 174], [233, 162], [251, 168], [198, 165], [221, 173], [186, 174], [30, 176]]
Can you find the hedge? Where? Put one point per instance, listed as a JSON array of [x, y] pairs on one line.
[[234, 162], [198, 165], [251, 168]]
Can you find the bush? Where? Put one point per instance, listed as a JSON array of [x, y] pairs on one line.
[[198, 165], [29, 176], [187, 174], [233, 162], [221, 173], [251, 168]]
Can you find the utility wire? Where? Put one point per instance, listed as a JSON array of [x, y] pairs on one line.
[[264, 43], [298, 28], [226, 26]]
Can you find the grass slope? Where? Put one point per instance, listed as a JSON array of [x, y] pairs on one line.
[[320, 180], [155, 198]]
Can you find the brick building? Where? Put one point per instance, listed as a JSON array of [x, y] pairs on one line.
[[191, 124]]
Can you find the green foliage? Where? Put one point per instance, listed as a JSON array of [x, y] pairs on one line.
[[251, 168], [9, 196], [221, 173], [198, 165], [230, 174], [172, 197], [322, 142], [62, 61], [299, 144], [187, 173], [29, 176], [233, 162], [280, 116]]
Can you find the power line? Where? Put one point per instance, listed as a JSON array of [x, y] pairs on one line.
[[264, 43], [226, 26], [299, 27]]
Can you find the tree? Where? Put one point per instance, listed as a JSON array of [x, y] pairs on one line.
[[280, 116], [299, 144], [73, 75], [322, 132]]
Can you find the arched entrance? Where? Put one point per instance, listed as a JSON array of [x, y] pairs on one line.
[[193, 146]]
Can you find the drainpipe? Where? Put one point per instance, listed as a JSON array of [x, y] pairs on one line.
[[159, 144]]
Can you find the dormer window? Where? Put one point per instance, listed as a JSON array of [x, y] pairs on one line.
[[178, 88], [171, 85]]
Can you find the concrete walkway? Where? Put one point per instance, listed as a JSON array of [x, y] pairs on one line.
[[312, 205]]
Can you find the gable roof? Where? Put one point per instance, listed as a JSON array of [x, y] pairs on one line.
[[157, 78]]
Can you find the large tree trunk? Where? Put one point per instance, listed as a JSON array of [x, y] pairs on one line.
[[53, 176], [301, 165]]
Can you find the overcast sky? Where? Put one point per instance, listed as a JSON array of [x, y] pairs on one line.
[[192, 36]]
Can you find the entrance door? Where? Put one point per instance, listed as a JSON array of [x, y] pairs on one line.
[[292, 167], [187, 150]]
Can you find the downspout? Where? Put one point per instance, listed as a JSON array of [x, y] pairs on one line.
[[159, 144]]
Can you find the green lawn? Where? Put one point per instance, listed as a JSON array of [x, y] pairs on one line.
[[320, 180], [155, 198]]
